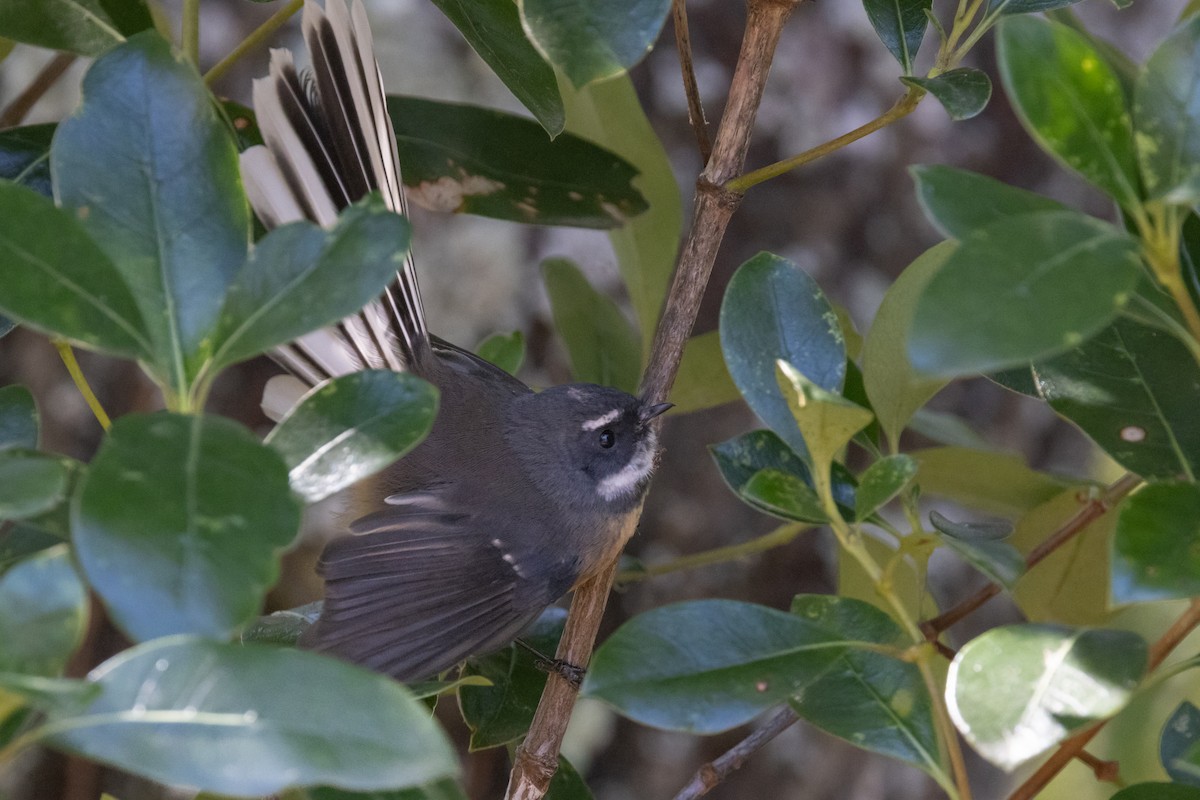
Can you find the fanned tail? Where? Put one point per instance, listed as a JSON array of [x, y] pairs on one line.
[[329, 142]]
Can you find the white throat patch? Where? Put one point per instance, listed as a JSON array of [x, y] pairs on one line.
[[632, 474]]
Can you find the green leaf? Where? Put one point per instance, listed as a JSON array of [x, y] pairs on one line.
[[827, 421], [979, 545], [48, 694], [900, 25], [1021, 289], [567, 783], [1156, 550], [708, 665], [505, 350], [870, 699], [774, 311], [589, 41], [301, 277], [43, 613], [179, 523], [57, 280], [1017, 690], [783, 495], [992, 483], [151, 169], [501, 713], [882, 481], [480, 161], [895, 390], [1179, 739], [19, 541], [1071, 102], [18, 418], [31, 482], [25, 156], [603, 346], [1157, 791], [703, 380], [283, 627], [958, 202], [1005, 7], [610, 114], [1132, 389], [351, 427], [743, 457], [493, 29], [447, 789], [86, 27], [963, 92], [1166, 115], [252, 720]]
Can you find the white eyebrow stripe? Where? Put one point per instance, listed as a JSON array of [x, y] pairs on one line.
[[600, 422]]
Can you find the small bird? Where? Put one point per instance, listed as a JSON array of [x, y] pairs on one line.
[[515, 496]]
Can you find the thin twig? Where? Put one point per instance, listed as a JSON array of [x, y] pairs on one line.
[[713, 773], [1072, 747], [1106, 771], [537, 757], [47, 77], [691, 89], [81, 383], [1092, 510], [254, 40]]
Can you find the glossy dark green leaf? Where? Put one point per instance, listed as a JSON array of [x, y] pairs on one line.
[[703, 380], [709, 665], [152, 171], [31, 482], [283, 627], [20, 541], [774, 310], [593, 41], [1180, 737], [783, 495], [603, 346], [87, 27], [1166, 115], [179, 523], [1157, 791], [493, 29], [351, 427], [252, 720], [18, 418], [1021, 289], [480, 161], [882, 481], [1156, 550], [1025, 6], [1071, 102], [1132, 389], [900, 25], [25, 156], [446, 789], [505, 350], [958, 201], [741, 458], [1015, 691], [980, 545], [43, 613], [58, 281], [894, 389], [501, 713], [301, 277], [870, 699], [963, 92]]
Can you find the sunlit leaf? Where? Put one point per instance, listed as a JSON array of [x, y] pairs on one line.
[[827, 421]]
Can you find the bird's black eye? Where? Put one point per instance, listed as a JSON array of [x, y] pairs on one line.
[[607, 438]]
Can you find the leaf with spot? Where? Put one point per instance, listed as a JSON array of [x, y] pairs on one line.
[[1166, 115], [1018, 690], [476, 160], [251, 720], [980, 545], [25, 156], [505, 350], [963, 92], [1071, 101], [43, 613], [1179, 746], [86, 27], [882, 481], [783, 495], [872, 700], [900, 25], [179, 524], [1020, 289], [1156, 549]]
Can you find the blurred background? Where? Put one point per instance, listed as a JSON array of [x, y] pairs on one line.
[[850, 220]]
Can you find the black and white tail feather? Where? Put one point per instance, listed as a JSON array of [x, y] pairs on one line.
[[329, 143]]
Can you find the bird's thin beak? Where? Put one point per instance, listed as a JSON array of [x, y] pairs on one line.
[[648, 413]]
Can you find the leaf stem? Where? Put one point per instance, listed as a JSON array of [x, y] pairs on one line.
[[81, 383], [1161, 228], [776, 538], [189, 34], [256, 38]]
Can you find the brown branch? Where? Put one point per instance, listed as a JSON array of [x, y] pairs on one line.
[[47, 77], [683, 43], [537, 757], [716, 771], [1073, 747], [1106, 771], [1091, 511]]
